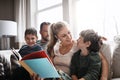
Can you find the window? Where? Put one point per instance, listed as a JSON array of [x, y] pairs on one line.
[[43, 4], [49, 10], [101, 15]]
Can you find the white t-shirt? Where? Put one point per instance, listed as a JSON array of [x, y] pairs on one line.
[[62, 62]]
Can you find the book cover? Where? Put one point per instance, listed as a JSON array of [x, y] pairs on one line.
[[17, 55], [39, 63], [36, 54]]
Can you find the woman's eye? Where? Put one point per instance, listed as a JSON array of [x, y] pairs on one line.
[[69, 33], [63, 35]]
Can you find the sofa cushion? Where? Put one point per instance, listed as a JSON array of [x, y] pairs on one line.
[[116, 62], [116, 79], [6, 53], [106, 50]]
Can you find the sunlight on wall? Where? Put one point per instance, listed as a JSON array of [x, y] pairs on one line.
[[101, 15]]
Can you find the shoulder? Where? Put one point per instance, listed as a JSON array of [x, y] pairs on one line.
[[94, 56], [38, 41], [75, 57], [57, 44], [77, 53], [37, 46], [24, 46]]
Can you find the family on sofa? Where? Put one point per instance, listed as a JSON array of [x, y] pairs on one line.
[[114, 72]]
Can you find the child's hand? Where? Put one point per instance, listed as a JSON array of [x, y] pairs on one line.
[[103, 38]]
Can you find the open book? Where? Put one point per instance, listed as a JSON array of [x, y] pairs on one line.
[[17, 55], [39, 63]]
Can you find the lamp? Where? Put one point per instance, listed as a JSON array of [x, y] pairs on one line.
[[7, 29]]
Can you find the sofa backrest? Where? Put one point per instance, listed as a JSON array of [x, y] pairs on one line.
[[115, 62], [106, 50], [6, 53]]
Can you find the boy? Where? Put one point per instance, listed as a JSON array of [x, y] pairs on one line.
[[30, 38], [86, 63]]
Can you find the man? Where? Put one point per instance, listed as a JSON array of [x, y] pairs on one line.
[[44, 34]]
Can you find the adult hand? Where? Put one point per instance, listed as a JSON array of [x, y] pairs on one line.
[[36, 77], [103, 78]]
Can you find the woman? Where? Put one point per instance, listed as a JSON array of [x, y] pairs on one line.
[[61, 48]]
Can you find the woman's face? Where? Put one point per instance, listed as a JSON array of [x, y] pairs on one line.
[[64, 35]]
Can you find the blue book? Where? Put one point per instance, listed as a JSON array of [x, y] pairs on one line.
[[41, 66]]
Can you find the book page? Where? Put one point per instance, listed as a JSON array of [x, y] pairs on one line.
[[42, 67]]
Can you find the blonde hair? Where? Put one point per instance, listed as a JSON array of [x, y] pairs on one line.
[[54, 30]]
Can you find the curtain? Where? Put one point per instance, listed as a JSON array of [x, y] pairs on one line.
[[22, 17]]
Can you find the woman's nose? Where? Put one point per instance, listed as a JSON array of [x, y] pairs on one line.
[[68, 36]]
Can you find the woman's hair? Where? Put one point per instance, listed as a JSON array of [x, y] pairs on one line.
[[93, 37], [54, 30]]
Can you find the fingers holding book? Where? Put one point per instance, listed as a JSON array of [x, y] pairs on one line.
[[36, 77]]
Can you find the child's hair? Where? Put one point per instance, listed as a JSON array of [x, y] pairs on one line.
[[90, 35], [32, 31]]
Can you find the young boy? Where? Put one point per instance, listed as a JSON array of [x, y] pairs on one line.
[[30, 38], [86, 63]]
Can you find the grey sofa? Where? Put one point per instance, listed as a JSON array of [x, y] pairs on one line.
[[113, 57], [114, 64]]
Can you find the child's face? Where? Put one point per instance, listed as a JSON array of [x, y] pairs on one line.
[[81, 44], [30, 39]]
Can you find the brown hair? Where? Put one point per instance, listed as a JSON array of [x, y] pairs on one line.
[[90, 35], [54, 30], [32, 31]]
